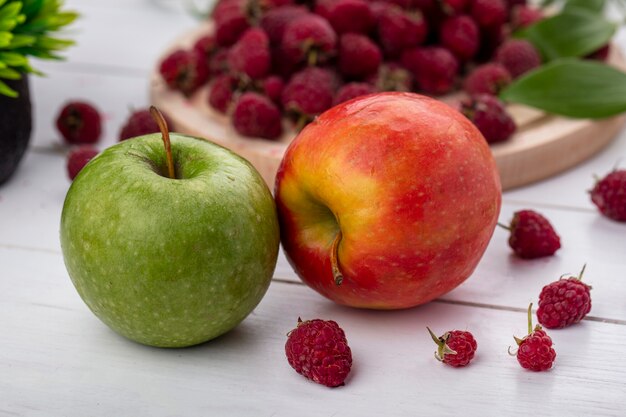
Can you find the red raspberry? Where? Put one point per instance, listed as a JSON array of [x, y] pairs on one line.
[[399, 30], [455, 348], [535, 351], [346, 16], [251, 54], [532, 235], [392, 77], [353, 90], [358, 55], [523, 16], [275, 21], [489, 13], [601, 54], [609, 195], [256, 116], [487, 79], [222, 92], [79, 122], [455, 7], [518, 56], [141, 123], [218, 63], [78, 158], [206, 47], [434, 68], [309, 37], [318, 350], [184, 71], [490, 116], [232, 18], [273, 87], [461, 36], [564, 302], [309, 93]]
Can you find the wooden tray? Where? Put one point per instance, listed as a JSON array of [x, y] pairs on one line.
[[543, 146]]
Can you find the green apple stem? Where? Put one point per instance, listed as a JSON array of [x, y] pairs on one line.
[[160, 120], [504, 226], [334, 260]]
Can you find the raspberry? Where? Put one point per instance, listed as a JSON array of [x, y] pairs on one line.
[[318, 350], [461, 36], [455, 348], [535, 351], [399, 30], [222, 92], [346, 16], [184, 70], [434, 68], [490, 116], [352, 90], [309, 93], [141, 123], [609, 195], [455, 7], [218, 63], [251, 54], [273, 88], [310, 38], [78, 158], [532, 235], [487, 79], [564, 302], [518, 56], [206, 47], [392, 77], [358, 55], [232, 18], [523, 16], [275, 21], [256, 116], [601, 54], [79, 122], [489, 13]]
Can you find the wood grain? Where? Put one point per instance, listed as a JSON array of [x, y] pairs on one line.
[[544, 145]]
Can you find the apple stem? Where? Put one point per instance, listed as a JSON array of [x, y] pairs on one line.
[[160, 120], [334, 260], [504, 226]]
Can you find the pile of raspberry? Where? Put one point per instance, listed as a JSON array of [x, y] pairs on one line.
[[271, 60]]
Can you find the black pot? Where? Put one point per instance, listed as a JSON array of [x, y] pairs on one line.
[[15, 126]]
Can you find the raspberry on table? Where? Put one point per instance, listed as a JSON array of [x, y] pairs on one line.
[[184, 70], [455, 7], [455, 348], [318, 350], [609, 195], [141, 122], [564, 302], [273, 88], [392, 77], [532, 235], [309, 93], [490, 116], [518, 56], [309, 38], [489, 13], [461, 36], [535, 351], [488, 78], [523, 16], [222, 91], [434, 68], [79, 123], [276, 20], [399, 30], [78, 158], [353, 90], [251, 54], [346, 16], [232, 18], [358, 55], [601, 54], [256, 116]]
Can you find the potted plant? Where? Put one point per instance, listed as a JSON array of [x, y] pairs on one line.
[[26, 30]]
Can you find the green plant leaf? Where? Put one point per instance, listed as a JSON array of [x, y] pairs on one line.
[[7, 91], [573, 33], [595, 6], [5, 39], [10, 74], [573, 88], [20, 41], [13, 59]]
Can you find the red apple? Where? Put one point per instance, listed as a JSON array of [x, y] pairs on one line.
[[387, 201]]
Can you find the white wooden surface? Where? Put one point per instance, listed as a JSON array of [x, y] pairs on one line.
[[57, 359]]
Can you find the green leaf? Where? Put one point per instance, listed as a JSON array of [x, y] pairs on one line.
[[5, 39], [13, 59], [52, 44], [573, 33], [11, 10], [594, 6], [20, 41], [573, 88], [10, 74], [7, 91]]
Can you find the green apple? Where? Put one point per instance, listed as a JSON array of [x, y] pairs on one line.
[[170, 262]]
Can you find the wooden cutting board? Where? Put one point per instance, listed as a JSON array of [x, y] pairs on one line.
[[544, 145]]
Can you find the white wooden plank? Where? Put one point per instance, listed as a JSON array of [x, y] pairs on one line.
[[58, 359]]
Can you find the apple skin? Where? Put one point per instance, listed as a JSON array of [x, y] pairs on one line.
[[413, 188], [170, 262]]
